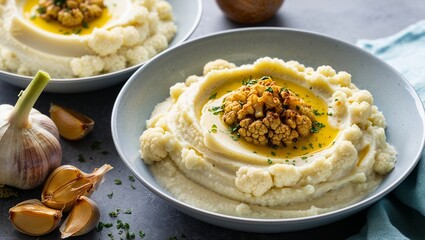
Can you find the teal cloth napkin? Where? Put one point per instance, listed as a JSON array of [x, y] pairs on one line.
[[401, 215]]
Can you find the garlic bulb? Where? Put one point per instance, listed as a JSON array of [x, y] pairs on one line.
[[66, 183], [83, 217], [33, 218], [29, 140]]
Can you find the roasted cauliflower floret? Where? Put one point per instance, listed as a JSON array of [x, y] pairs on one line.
[[70, 17], [253, 131], [267, 113], [70, 13]]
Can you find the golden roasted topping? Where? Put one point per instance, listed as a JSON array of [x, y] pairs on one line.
[[70, 13], [266, 113]]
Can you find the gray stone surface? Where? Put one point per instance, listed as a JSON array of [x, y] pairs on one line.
[[347, 20]]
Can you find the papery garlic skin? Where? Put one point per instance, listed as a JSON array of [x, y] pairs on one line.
[[28, 154]]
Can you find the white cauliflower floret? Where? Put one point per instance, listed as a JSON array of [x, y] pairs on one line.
[[87, 66], [253, 180], [361, 96], [385, 161], [114, 63], [377, 118], [326, 71], [155, 144], [153, 20], [218, 64], [137, 55], [164, 10], [104, 42], [130, 35], [168, 29], [138, 15], [339, 103], [191, 159], [158, 42], [341, 78], [143, 32], [353, 134], [284, 175], [176, 90], [243, 209], [10, 60], [360, 113], [149, 4]]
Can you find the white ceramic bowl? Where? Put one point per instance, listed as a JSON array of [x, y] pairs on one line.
[[187, 17], [150, 85]]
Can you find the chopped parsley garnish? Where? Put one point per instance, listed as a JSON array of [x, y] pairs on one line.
[[117, 182], [249, 81], [127, 212], [317, 113], [131, 178], [216, 110], [304, 157], [304, 148], [214, 128], [330, 114], [234, 128], [114, 214], [317, 126], [213, 96], [269, 89], [81, 158], [110, 195], [95, 145], [320, 145], [336, 99], [265, 78], [132, 186], [41, 10], [269, 161], [59, 2], [141, 234], [311, 145], [273, 153], [85, 25]]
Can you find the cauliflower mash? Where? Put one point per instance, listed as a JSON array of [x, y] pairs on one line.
[[82, 38], [272, 139]]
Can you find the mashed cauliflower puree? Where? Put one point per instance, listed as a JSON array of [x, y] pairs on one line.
[[272, 139], [127, 33]]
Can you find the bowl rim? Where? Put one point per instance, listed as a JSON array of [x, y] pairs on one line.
[[119, 72], [370, 199]]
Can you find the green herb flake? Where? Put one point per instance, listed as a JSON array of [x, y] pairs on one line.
[[273, 153], [336, 99], [81, 158], [304, 157], [297, 108], [317, 126], [132, 186], [110, 236], [85, 25], [131, 178], [95, 145], [110, 195], [213, 96], [269, 161], [141, 234], [317, 113], [117, 182], [216, 110], [269, 89], [304, 148], [234, 128], [213, 128], [100, 226], [330, 114], [114, 214], [127, 212], [311, 145], [320, 145], [265, 78]]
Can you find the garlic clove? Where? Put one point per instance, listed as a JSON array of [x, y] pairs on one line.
[[66, 183], [71, 124], [33, 218], [83, 217]]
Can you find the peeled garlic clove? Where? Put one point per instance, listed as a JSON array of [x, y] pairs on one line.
[[83, 217], [66, 183], [33, 218], [71, 124]]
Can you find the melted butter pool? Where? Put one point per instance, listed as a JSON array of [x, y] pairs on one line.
[[30, 13], [303, 149]]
